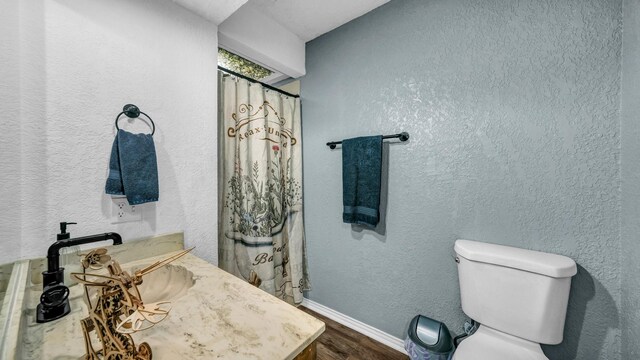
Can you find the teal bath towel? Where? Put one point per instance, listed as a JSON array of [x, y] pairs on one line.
[[361, 177], [133, 168]]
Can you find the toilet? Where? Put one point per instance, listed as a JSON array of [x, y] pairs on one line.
[[518, 296]]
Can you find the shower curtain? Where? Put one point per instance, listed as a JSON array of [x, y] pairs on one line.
[[261, 232]]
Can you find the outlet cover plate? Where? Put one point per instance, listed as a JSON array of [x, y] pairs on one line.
[[122, 212]]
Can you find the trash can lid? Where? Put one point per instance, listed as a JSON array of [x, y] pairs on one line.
[[430, 334]]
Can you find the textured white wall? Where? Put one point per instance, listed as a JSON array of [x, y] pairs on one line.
[[79, 63], [9, 135]]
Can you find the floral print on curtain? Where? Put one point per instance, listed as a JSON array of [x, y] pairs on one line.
[[261, 237]]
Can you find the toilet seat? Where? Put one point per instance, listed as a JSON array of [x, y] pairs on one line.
[[489, 344]]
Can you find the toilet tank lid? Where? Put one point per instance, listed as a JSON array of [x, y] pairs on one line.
[[553, 265]]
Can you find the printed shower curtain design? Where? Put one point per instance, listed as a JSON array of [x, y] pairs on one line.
[[261, 237]]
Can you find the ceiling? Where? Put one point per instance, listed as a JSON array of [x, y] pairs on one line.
[[243, 23], [307, 19], [311, 18], [215, 11]]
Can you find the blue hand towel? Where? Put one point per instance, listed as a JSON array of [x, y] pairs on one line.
[[133, 168], [361, 174]]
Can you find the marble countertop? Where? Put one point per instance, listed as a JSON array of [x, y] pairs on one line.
[[219, 317]]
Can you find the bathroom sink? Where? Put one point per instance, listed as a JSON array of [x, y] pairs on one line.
[[213, 313], [168, 283], [5, 276]]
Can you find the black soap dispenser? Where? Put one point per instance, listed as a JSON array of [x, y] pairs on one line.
[[63, 231]]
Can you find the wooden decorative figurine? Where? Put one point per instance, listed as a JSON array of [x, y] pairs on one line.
[[116, 309]]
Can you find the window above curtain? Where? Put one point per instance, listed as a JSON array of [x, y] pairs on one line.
[[242, 66]]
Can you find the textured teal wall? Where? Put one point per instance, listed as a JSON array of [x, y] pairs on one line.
[[513, 111], [630, 160]]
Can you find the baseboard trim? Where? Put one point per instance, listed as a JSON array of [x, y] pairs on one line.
[[356, 325]]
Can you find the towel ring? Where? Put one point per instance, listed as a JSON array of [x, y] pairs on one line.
[[132, 111]]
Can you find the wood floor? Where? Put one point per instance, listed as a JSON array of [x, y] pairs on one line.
[[338, 342]]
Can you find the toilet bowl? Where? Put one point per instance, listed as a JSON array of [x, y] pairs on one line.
[[489, 344], [518, 296]]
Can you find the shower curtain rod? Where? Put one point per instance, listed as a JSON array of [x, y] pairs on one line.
[[256, 81]]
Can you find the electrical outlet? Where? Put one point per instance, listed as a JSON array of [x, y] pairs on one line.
[[123, 212]]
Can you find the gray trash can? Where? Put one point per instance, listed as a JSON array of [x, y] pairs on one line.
[[428, 339]]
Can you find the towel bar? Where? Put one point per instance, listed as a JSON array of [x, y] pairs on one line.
[[403, 136]]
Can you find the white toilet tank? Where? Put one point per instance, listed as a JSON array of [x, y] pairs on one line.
[[516, 291]]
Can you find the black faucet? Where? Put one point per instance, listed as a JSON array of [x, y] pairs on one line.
[[54, 301]]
